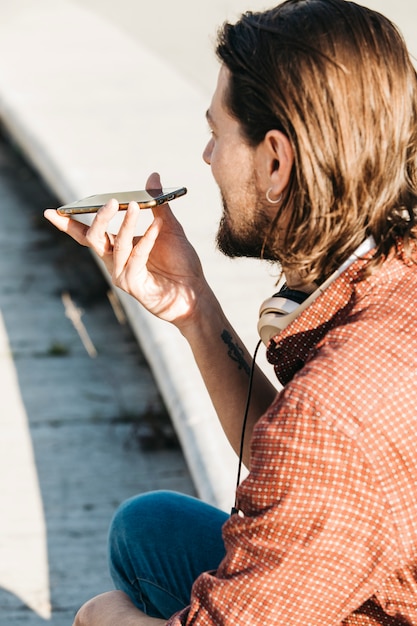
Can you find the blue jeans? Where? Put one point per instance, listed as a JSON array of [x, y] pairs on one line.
[[159, 543]]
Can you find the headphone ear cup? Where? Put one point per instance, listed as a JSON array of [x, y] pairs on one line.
[[278, 312], [274, 315]]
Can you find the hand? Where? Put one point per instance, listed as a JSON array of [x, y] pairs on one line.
[[111, 609], [160, 269]]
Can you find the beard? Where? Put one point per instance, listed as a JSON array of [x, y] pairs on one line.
[[246, 239]]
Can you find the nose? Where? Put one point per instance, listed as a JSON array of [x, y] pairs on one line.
[[207, 152]]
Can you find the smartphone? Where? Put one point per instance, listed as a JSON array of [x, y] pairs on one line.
[[145, 198]]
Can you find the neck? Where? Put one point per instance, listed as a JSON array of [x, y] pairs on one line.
[[298, 283]]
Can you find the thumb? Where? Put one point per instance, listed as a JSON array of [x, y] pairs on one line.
[[154, 181]]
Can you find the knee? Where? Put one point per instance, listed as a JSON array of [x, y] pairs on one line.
[[141, 512], [137, 531], [140, 520]]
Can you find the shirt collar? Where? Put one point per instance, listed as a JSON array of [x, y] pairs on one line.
[[290, 350]]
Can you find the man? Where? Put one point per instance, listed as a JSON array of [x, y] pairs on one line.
[[314, 129]]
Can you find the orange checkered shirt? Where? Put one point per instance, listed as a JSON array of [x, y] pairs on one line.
[[327, 533]]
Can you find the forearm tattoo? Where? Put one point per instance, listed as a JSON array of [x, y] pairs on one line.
[[235, 352]]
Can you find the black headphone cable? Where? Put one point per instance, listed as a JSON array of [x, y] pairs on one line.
[[245, 419]]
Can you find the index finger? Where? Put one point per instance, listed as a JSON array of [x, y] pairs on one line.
[[74, 229]]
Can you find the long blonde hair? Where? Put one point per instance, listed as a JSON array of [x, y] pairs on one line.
[[337, 79]]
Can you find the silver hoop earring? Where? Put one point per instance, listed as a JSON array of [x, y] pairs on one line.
[[268, 197]]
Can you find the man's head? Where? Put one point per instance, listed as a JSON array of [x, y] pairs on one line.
[[335, 80], [241, 170]]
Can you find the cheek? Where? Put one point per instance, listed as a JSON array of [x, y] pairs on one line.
[[231, 164]]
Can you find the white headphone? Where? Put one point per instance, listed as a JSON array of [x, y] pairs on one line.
[[278, 312]]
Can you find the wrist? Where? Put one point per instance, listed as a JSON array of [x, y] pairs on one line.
[[206, 319]]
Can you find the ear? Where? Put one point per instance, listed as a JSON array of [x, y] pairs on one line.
[[275, 159]]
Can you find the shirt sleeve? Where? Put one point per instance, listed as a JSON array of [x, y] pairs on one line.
[[314, 539]]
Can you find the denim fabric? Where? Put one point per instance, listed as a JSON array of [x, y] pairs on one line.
[[159, 543]]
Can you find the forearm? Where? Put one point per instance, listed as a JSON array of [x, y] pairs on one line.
[[225, 365]]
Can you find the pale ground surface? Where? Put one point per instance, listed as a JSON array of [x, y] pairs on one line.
[[98, 94]]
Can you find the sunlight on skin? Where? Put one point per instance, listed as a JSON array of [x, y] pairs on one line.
[[23, 556]]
